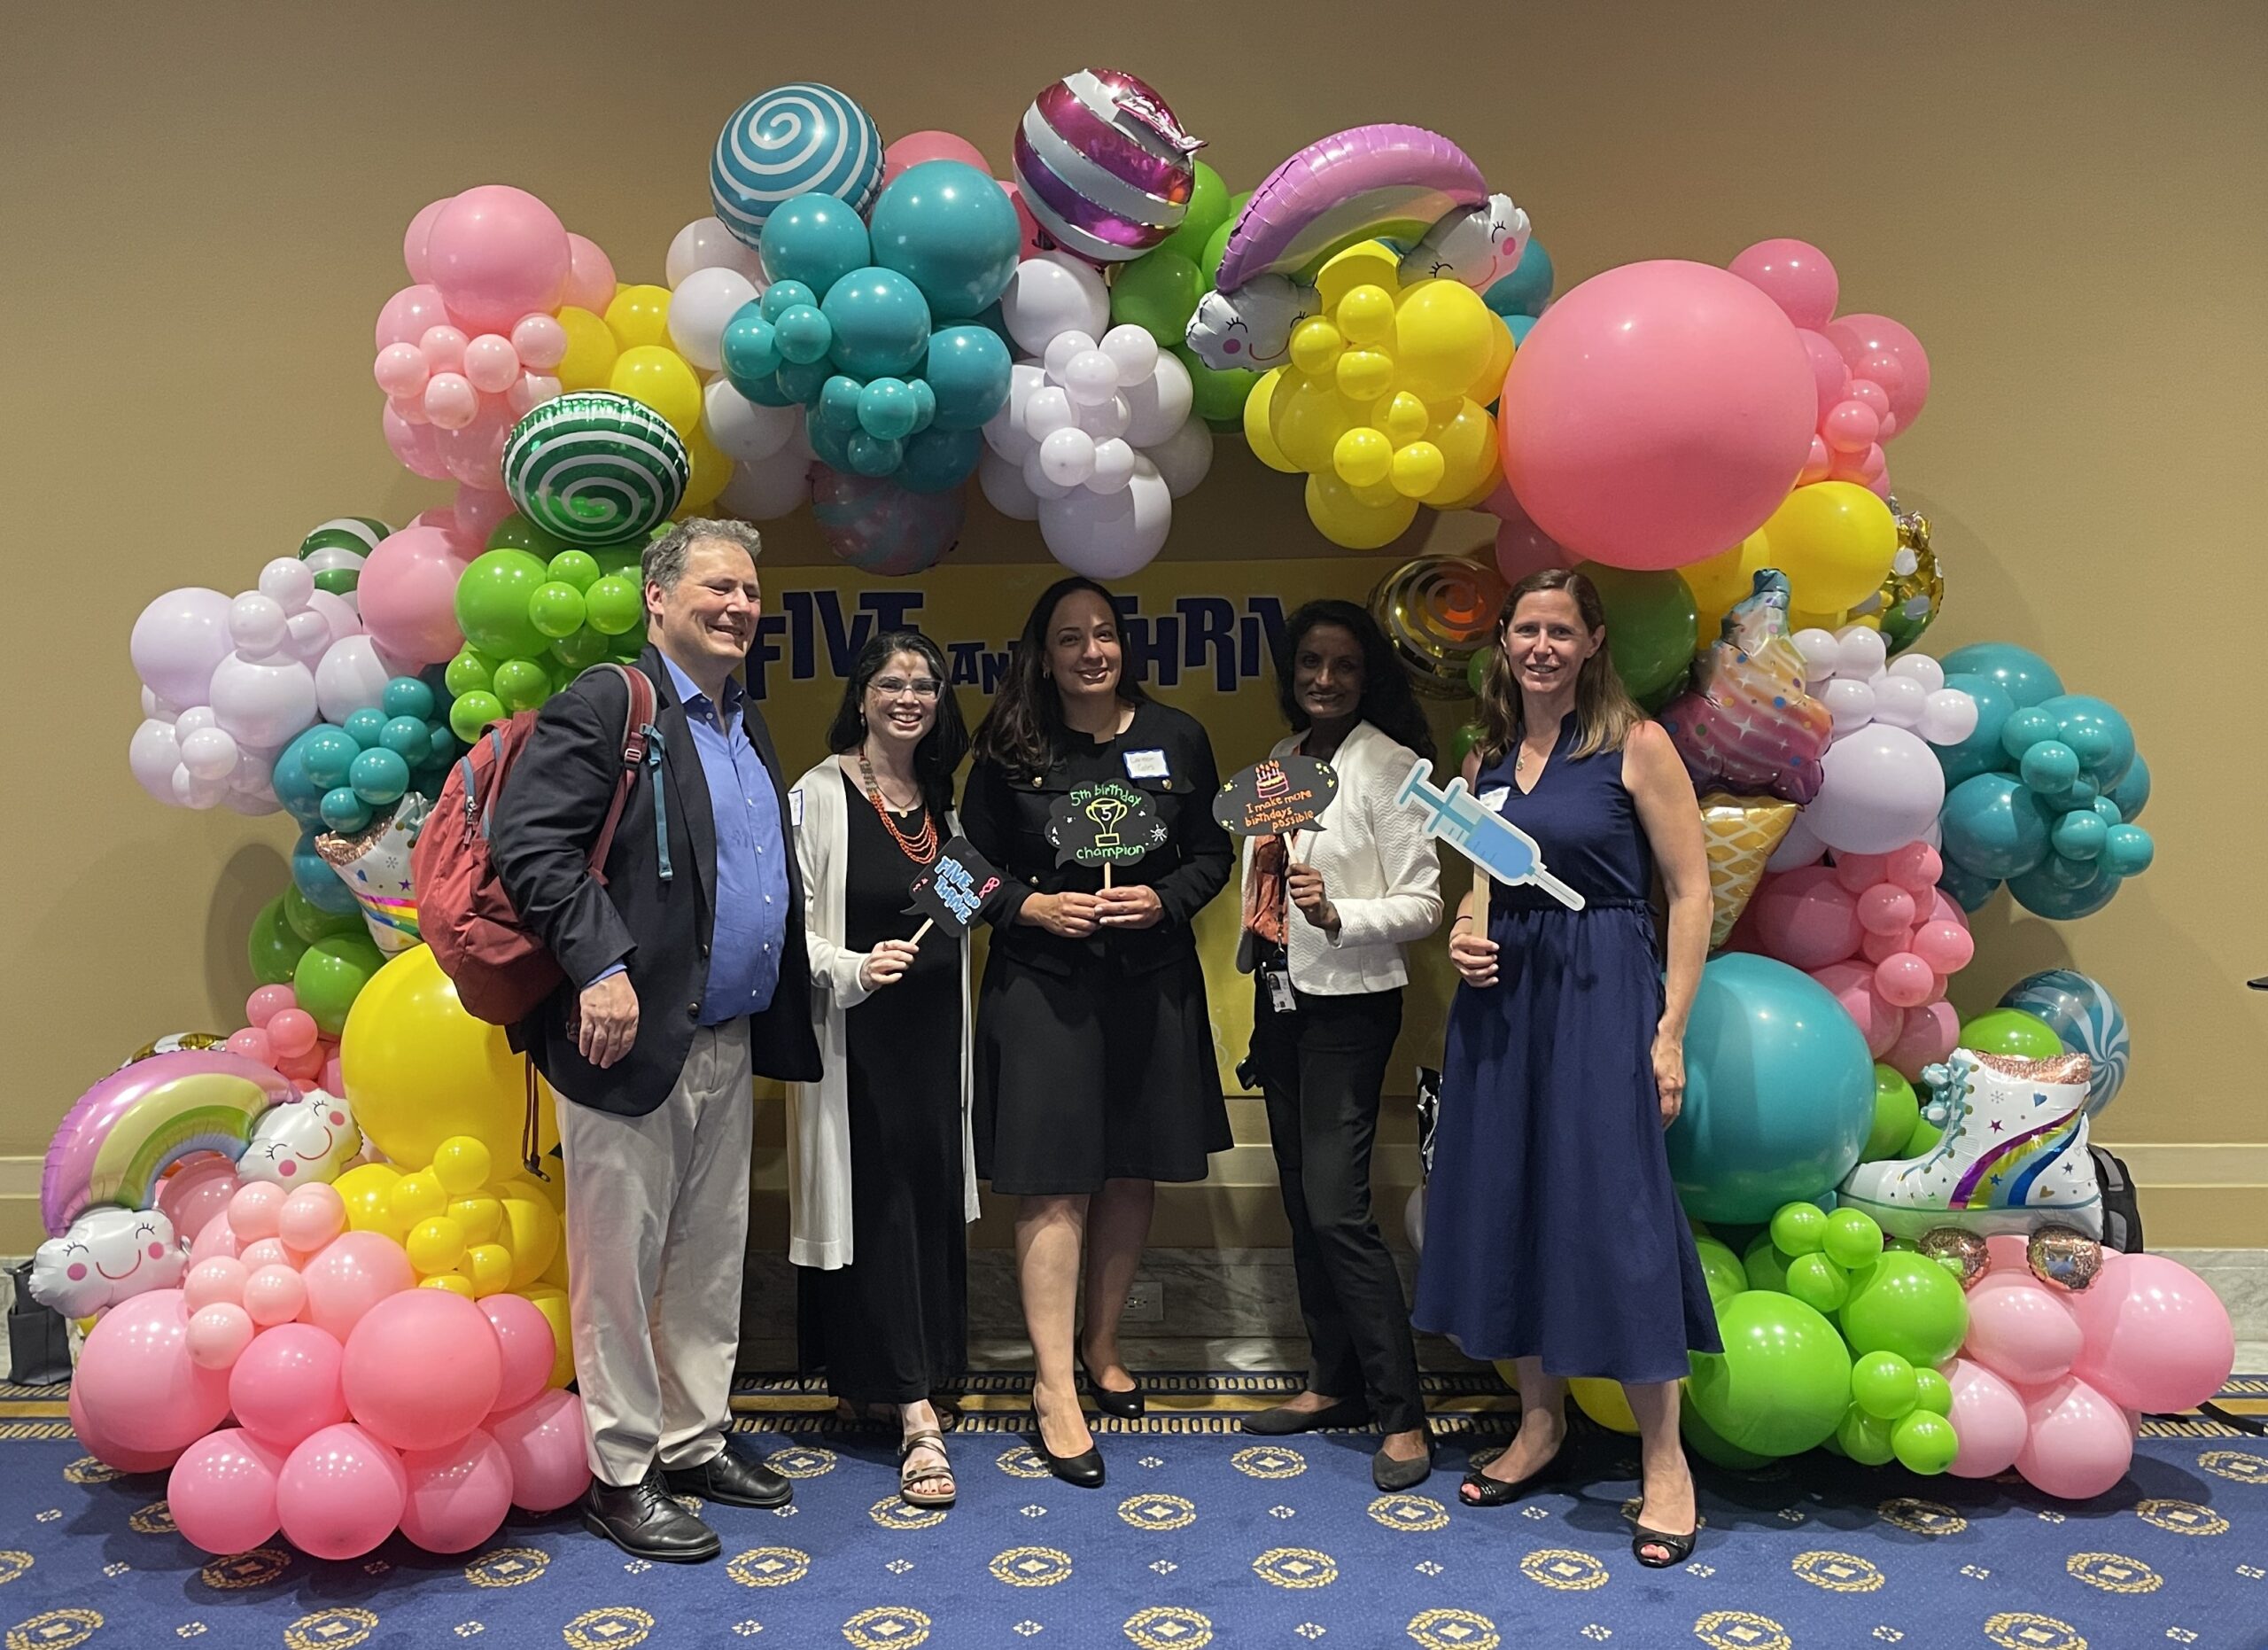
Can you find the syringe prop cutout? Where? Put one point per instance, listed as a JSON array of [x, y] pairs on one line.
[[1487, 838]]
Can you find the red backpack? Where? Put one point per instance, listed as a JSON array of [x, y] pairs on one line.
[[503, 971]]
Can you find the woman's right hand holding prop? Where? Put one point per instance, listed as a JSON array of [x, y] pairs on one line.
[[1473, 953], [886, 963]]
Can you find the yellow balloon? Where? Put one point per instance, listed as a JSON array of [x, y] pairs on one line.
[[1467, 440], [1418, 469], [1835, 540], [1315, 345], [419, 1070], [1257, 435], [1508, 1371], [553, 1184], [1366, 263], [1366, 316], [1723, 579], [658, 377], [530, 1231], [1362, 458], [1307, 415], [1402, 417], [489, 1265], [368, 1191], [555, 1273], [1364, 374], [1442, 339], [1489, 386], [639, 317], [435, 1245], [1605, 1402], [463, 1165], [553, 1305], [448, 1280], [1474, 496], [712, 472], [1343, 518], [1830, 618], [591, 350], [481, 1217], [417, 1196]]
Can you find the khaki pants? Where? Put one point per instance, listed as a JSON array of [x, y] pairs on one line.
[[656, 1226]]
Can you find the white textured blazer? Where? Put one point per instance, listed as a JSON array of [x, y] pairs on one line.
[[818, 1114], [1378, 868]]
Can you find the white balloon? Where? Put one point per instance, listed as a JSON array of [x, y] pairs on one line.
[[1090, 377], [1106, 418], [1159, 403], [195, 717], [1110, 535], [1004, 431], [1821, 652], [1184, 457], [1922, 667], [255, 769], [769, 488], [1002, 482], [306, 635], [1134, 350], [1881, 789], [153, 754], [288, 582], [209, 754], [351, 676], [800, 445], [339, 612], [191, 792], [1046, 410], [1899, 700], [745, 430], [178, 640], [1800, 846], [706, 243], [1067, 457], [1036, 480], [257, 625], [264, 701], [251, 803], [1062, 348], [702, 303], [1948, 716], [1852, 703], [1114, 466], [1053, 293], [163, 710], [1860, 651]]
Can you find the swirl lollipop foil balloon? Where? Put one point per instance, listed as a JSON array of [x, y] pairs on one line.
[[1104, 165], [1746, 724], [1439, 612]]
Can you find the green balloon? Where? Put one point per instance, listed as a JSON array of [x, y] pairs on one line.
[[1705, 1443], [1208, 261], [1925, 1442], [1851, 1238], [623, 558], [578, 568], [275, 950], [613, 605], [1783, 1380], [1217, 397], [556, 608], [330, 974], [1767, 1268], [1720, 1269], [472, 711], [311, 922], [1905, 1304], [1932, 1392], [1864, 1439], [1882, 1385], [521, 684], [585, 648], [2011, 1032], [1461, 743], [1818, 1282], [1896, 1111], [1208, 209], [1798, 1228], [518, 533], [471, 671], [1924, 1139], [1158, 293], [492, 603], [1650, 623], [1476, 670]]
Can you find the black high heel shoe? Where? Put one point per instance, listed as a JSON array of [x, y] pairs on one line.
[[1082, 1471], [1127, 1405], [1498, 1492]]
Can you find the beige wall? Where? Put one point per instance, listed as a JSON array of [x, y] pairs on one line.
[[202, 208]]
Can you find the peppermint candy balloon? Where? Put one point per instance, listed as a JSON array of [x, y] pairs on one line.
[[596, 467], [1104, 165], [801, 139]]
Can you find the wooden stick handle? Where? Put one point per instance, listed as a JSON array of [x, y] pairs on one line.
[[1106, 873], [920, 933]]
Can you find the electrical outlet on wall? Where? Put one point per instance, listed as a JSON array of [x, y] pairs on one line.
[[1146, 1301]]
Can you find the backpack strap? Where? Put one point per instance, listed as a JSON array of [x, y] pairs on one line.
[[641, 747]]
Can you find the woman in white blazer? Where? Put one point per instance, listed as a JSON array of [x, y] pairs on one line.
[[1327, 917], [881, 1182]]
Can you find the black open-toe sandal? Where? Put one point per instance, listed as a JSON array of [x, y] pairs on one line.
[[1679, 1548], [1499, 1492]]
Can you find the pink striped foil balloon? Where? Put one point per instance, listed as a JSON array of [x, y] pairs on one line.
[[1104, 165]]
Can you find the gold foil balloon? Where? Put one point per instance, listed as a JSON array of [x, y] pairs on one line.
[[1958, 1250], [1438, 612], [2063, 1259], [1914, 592], [1740, 834]]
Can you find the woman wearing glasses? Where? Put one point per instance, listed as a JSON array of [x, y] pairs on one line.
[[881, 1184]]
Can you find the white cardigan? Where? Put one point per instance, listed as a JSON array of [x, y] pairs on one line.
[[1379, 868], [818, 1114]]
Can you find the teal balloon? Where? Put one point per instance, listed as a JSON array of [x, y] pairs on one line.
[[298, 793], [379, 776], [326, 753], [886, 409], [781, 296], [1779, 1092], [2048, 767], [801, 381], [2022, 674], [2079, 836], [1519, 327], [832, 446], [1993, 828], [816, 239], [1527, 289], [2130, 793], [871, 458], [342, 810], [925, 400], [407, 736], [750, 347], [937, 461], [2026, 727], [2127, 851], [2064, 890], [317, 882], [879, 322], [364, 726], [406, 695], [968, 369], [838, 403], [804, 334], [1980, 751], [993, 322], [1783, 1383], [2099, 736], [948, 229], [768, 390]]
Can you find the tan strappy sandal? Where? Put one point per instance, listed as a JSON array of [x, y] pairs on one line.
[[909, 1474]]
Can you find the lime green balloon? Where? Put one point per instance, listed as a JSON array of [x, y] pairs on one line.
[[330, 974], [472, 711], [1766, 1267], [556, 608], [1208, 261], [1720, 1269], [1896, 1111], [518, 533], [622, 558], [1907, 1305], [1476, 670], [578, 568], [1703, 1441], [492, 604], [273, 949], [1650, 623], [2011, 1032], [585, 648], [1783, 1380], [311, 922], [1217, 396], [1924, 1139], [1882, 1385], [1798, 1228], [1158, 293], [1925, 1442], [1818, 1282], [1851, 1238], [1865, 1438], [521, 684], [471, 671], [614, 605], [1932, 1392], [1208, 209]]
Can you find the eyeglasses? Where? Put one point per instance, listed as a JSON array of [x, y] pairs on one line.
[[922, 687]]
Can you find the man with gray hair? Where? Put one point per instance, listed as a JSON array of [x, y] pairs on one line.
[[685, 974]]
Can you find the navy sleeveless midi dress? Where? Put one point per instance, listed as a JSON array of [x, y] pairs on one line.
[[1552, 1228]]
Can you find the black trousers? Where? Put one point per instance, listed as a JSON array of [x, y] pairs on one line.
[[1320, 1066]]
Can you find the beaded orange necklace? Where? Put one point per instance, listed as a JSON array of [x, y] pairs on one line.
[[921, 847]]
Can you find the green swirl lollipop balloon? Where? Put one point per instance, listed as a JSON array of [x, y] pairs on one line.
[[596, 467]]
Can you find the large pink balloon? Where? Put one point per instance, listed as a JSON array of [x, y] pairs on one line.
[[915, 148], [285, 1386], [142, 1387], [407, 594], [408, 313], [418, 445], [590, 276], [1853, 986], [197, 1191], [544, 1443], [1804, 917], [422, 1368], [354, 1272], [1657, 413], [222, 1491], [1927, 1036], [497, 252], [1794, 275], [340, 1493], [2079, 1442], [2020, 1329], [1988, 1419], [106, 1449], [525, 1344], [2156, 1338], [458, 1496], [1864, 339]]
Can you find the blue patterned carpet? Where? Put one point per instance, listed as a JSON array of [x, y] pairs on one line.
[[1203, 1536]]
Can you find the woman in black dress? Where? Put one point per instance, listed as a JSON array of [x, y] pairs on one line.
[[880, 1188], [1095, 1070]]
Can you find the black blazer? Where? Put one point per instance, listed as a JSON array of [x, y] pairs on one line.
[[1004, 815], [544, 826]]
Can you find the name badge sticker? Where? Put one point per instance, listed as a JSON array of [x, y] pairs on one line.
[[1493, 798], [1147, 765], [795, 807]]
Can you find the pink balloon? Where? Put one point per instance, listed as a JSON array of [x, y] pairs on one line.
[[285, 1386], [544, 1443], [311, 1217], [1905, 981], [292, 1031], [222, 1491], [218, 1334], [1849, 426], [1872, 396], [1831, 374], [2008, 1251], [253, 1044], [1885, 909], [1879, 948], [196, 1192], [254, 1209], [1657, 413], [401, 371], [1794, 275], [408, 596], [450, 401], [334, 1076], [1946, 946], [415, 255], [417, 445], [407, 313], [1853, 986], [214, 1281], [2079, 1443], [1926, 1037], [457, 1495], [1522, 548], [477, 511], [216, 1240], [2156, 1337], [300, 1068], [540, 342], [267, 1251], [1501, 503], [590, 278], [1988, 1419], [266, 1002], [1858, 872], [1865, 466], [491, 362], [497, 252], [1034, 240], [354, 1272], [443, 349], [1915, 868], [475, 455], [2020, 1329], [1804, 917], [340, 1493], [525, 1341], [916, 147], [422, 1368], [1862, 340], [274, 1295], [104, 1448], [141, 1386]]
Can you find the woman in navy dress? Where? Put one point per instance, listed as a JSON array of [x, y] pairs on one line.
[[1553, 1234]]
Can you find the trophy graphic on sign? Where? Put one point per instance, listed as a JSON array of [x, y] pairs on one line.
[[1106, 811]]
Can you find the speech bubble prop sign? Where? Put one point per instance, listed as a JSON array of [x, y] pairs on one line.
[[1276, 797], [950, 894], [1107, 823]]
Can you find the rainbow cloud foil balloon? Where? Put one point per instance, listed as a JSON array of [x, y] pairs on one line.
[[1104, 165]]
